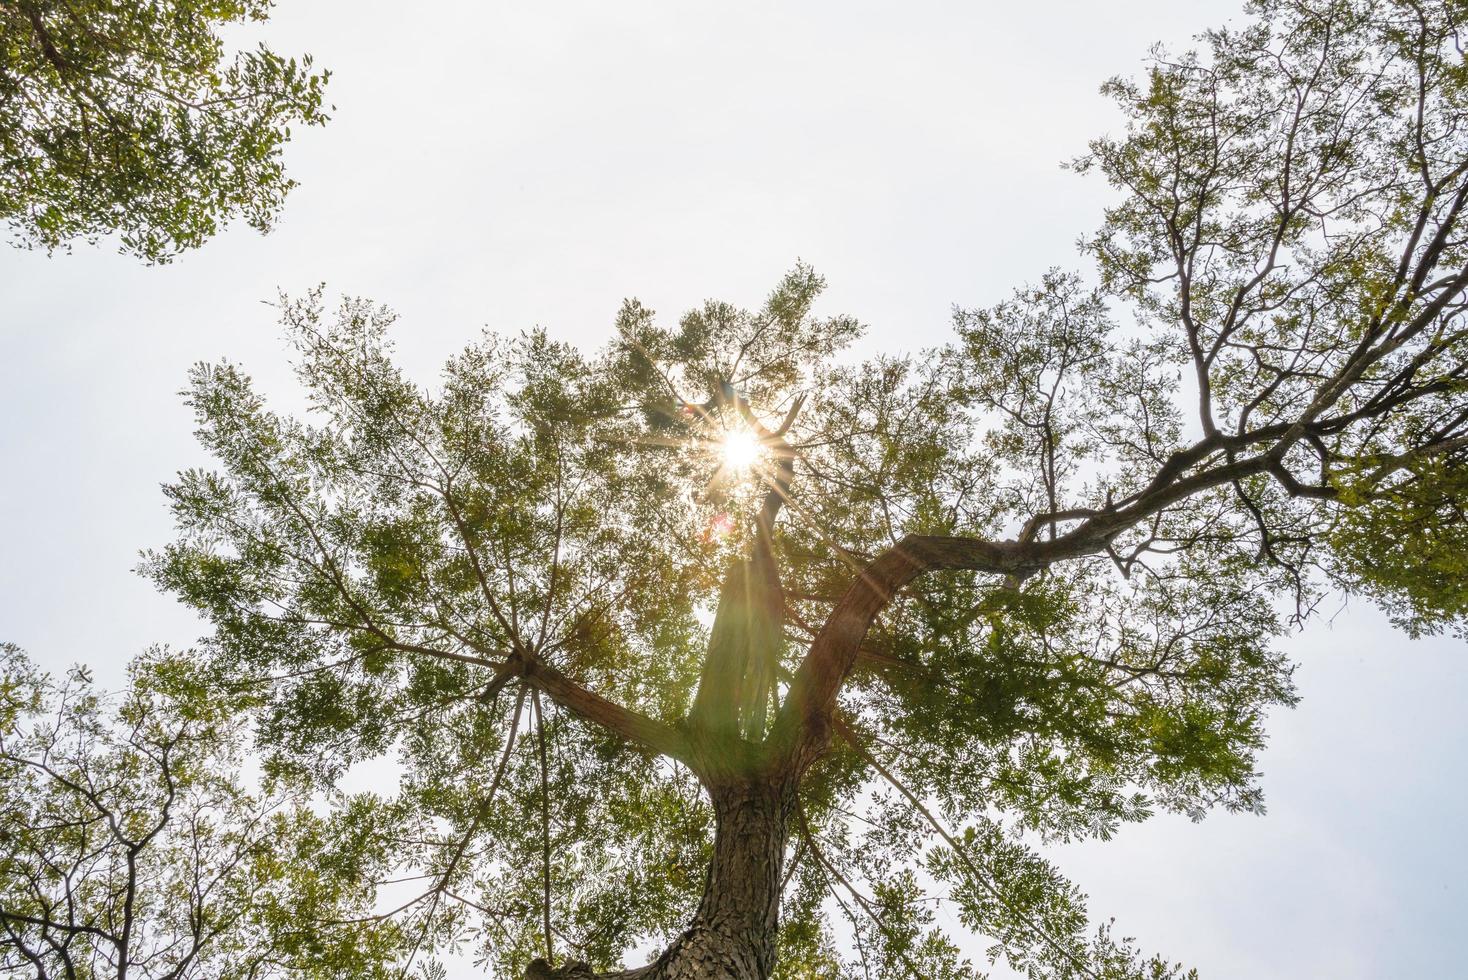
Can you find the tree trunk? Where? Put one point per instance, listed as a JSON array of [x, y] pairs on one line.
[[732, 936]]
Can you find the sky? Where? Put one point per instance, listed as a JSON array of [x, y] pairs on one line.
[[519, 164]]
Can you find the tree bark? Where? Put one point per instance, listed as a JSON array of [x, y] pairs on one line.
[[732, 935]]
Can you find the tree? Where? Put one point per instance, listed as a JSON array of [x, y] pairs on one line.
[[129, 848], [128, 116], [721, 642]]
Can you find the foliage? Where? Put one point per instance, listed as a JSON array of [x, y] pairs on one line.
[[128, 846], [1405, 543], [131, 116], [1022, 588]]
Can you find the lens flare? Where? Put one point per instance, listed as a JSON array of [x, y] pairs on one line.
[[720, 527]]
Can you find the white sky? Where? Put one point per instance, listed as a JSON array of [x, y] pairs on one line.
[[513, 164]]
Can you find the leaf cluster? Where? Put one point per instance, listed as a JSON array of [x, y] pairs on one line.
[[134, 117]]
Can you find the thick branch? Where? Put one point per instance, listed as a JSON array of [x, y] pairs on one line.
[[803, 725], [628, 724]]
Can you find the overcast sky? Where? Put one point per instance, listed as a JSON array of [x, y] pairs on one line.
[[514, 164]]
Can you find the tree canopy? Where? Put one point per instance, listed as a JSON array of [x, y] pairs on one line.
[[722, 643], [133, 117], [130, 846]]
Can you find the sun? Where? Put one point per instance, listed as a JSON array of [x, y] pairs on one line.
[[741, 449]]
